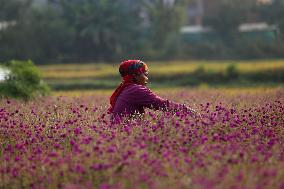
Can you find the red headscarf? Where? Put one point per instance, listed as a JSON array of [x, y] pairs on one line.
[[127, 70]]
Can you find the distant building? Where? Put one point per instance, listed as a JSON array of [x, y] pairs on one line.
[[196, 32], [198, 9], [3, 74], [4, 25]]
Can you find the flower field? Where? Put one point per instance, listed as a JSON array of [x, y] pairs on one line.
[[69, 142]]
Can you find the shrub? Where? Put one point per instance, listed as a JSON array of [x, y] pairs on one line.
[[24, 81], [232, 72]]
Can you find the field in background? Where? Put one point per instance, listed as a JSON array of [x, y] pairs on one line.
[[166, 91], [169, 74], [101, 70]]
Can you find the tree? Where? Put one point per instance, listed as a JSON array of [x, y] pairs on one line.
[[90, 30], [105, 29], [164, 17], [12, 10], [40, 34]]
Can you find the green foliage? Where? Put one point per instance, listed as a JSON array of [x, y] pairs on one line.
[[165, 20], [104, 29], [107, 30], [12, 9], [41, 35], [85, 31], [232, 72], [206, 50], [24, 81]]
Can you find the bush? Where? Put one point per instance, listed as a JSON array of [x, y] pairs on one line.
[[232, 72], [24, 81]]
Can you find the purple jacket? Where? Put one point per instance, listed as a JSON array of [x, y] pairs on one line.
[[134, 98]]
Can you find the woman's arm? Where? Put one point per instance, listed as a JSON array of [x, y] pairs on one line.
[[146, 98]]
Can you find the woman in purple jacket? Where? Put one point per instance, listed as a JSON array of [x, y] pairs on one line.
[[132, 95]]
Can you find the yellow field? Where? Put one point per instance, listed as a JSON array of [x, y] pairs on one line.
[[101, 70]]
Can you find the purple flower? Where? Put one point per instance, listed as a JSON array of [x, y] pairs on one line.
[[100, 166], [77, 131], [17, 158], [105, 186]]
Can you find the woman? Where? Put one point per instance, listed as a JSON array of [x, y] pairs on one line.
[[132, 95]]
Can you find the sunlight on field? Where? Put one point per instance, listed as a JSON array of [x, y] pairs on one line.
[[160, 68], [215, 66], [78, 93], [168, 91]]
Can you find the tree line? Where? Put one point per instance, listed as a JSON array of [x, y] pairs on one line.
[[106, 30]]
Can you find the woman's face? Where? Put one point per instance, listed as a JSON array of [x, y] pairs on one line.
[[142, 79]]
